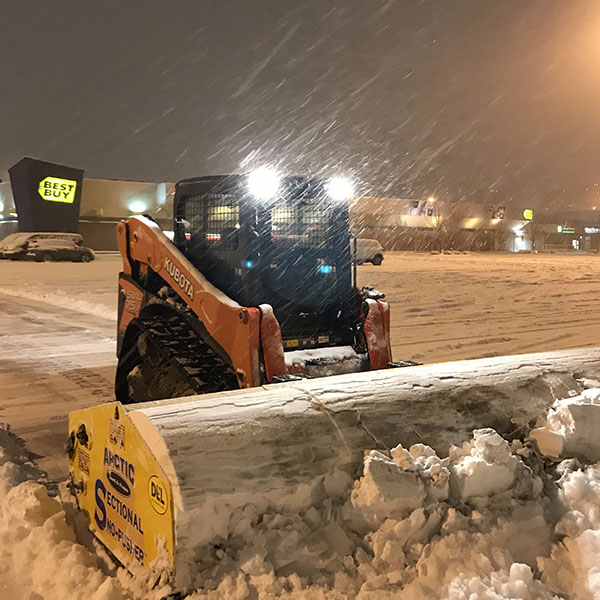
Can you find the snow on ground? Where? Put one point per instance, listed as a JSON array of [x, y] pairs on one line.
[[451, 307], [52, 361], [40, 556], [443, 306], [90, 288]]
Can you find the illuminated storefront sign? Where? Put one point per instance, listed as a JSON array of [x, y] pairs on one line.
[[591, 229], [562, 229], [47, 195], [56, 189], [528, 214]]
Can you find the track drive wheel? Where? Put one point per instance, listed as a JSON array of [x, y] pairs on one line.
[[165, 356]]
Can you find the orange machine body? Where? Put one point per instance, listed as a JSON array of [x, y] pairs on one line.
[[250, 336]]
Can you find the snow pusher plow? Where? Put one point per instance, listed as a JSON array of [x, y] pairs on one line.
[[193, 481], [258, 286]]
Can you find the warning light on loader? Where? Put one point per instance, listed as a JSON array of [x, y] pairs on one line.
[[339, 188], [263, 183]]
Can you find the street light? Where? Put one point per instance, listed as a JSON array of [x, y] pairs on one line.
[[431, 199], [137, 206]]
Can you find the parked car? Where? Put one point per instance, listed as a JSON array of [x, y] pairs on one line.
[[368, 251], [45, 246]]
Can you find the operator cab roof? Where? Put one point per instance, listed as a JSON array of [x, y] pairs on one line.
[[295, 183]]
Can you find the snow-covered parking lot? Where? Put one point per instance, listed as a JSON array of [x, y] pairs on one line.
[[450, 307], [488, 519], [443, 306]]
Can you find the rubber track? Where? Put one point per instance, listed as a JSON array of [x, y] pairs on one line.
[[180, 345]]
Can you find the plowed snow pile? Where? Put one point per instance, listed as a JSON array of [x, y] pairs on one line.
[[39, 554], [491, 520]]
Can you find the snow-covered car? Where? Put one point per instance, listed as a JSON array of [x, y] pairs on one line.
[[368, 250], [45, 246]]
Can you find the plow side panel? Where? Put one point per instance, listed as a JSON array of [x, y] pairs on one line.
[[124, 491]]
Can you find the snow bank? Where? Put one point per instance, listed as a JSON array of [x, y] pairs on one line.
[[517, 584], [411, 524], [484, 466], [573, 568], [39, 554], [385, 490], [64, 299], [491, 520]]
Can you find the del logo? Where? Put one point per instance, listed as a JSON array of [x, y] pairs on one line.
[[58, 190], [118, 483], [158, 495]]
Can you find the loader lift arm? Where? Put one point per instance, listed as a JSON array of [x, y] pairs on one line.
[[236, 329]]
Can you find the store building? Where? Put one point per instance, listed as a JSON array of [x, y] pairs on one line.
[[430, 224], [568, 231], [397, 223]]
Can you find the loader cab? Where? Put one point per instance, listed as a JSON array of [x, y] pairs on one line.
[[288, 247]]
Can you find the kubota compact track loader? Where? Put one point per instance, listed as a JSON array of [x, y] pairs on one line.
[[258, 285]]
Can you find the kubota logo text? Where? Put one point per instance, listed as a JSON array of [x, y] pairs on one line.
[[182, 281], [55, 189]]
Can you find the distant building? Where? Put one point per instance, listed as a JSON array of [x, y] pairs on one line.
[[568, 231], [429, 224], [398, 223]]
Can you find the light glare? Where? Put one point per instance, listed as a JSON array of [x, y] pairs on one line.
[[263, 183], [340, 188], [137, 206]]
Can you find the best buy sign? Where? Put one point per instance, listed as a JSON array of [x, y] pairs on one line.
[[57, 190]]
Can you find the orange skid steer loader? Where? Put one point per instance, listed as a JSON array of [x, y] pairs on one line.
[[258, 285]]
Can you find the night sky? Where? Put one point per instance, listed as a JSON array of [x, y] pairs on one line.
[[458, 98]]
